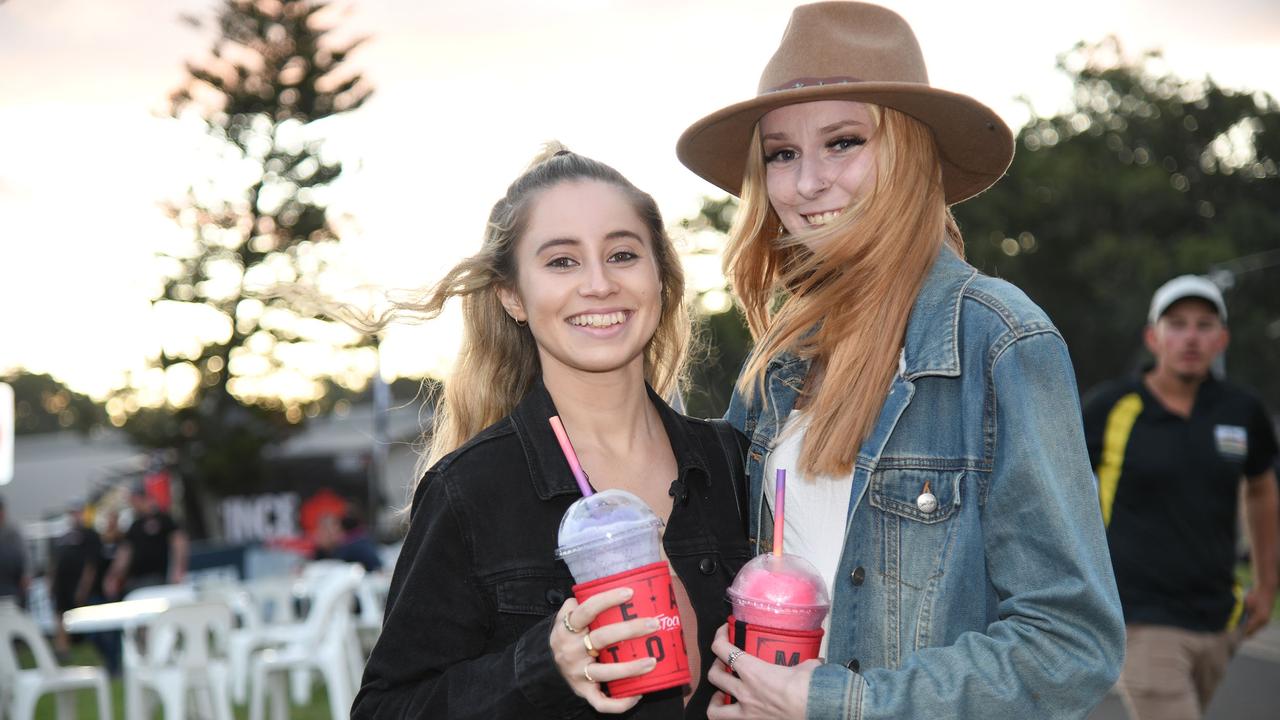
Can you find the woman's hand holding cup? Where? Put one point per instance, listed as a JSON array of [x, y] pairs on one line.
[[572, 641], [761, 689]]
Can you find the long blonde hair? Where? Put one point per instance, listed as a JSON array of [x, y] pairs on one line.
[[498, 361], [841, 295]]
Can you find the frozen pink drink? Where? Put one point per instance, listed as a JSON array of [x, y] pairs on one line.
[[779, 603]]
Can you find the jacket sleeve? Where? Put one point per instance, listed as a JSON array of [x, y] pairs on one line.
[[1058, 642], [430, 659]]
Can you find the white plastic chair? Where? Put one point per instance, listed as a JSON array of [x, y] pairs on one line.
[[186, 652], [256, 605], [325, 643], [21, 689], [372, 595]]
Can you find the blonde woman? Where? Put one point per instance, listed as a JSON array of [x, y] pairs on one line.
[[927, 415], [572, 307]]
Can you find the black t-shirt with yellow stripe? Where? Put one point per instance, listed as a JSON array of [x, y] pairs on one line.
[[1169, 488]]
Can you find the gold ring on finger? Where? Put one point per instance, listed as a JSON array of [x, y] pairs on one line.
[[586, 673], [591, 649], [568, 625]]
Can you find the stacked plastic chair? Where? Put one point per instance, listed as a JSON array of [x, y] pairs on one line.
[[324, 642]]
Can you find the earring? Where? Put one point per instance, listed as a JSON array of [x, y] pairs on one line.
[[521, 323]]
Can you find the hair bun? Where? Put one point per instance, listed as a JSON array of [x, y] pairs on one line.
[[550, 149]]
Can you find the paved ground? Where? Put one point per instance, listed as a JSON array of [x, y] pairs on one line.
[[1251, 690]]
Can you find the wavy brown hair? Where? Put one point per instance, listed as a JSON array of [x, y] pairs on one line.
[[841, 295]]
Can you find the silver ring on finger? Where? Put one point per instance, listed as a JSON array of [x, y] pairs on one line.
[[568, 625], [733, 657], [586, 673]]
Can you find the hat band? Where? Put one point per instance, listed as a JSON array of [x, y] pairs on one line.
[[813, 82]]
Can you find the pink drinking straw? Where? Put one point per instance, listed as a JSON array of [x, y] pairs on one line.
[[779, 501], [567, 448]]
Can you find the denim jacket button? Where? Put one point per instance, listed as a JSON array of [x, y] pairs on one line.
[[707, 566], [858, 576], [853, 665], [555, 597]]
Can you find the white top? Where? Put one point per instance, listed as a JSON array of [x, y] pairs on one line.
[[816, 509]]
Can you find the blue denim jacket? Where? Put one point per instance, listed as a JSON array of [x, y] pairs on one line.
[[1000, 603]]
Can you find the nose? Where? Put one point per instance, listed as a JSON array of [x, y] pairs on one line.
[[596, 281], [812, 180]]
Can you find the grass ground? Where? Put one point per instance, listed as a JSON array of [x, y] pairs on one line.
[[87, 706]]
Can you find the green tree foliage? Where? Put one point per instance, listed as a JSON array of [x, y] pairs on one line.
[[277, 68], [723, 336], [42, 404], [1145, 176]]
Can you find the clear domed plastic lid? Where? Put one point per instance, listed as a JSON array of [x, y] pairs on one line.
[[600, 520], [780, 585]]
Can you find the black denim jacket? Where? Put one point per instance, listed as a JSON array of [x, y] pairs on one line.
[[477, 585]]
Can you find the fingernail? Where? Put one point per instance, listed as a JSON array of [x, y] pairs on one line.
[[651, 624], [627, 593]]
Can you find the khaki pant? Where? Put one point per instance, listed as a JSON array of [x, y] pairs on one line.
[[1170, 673]]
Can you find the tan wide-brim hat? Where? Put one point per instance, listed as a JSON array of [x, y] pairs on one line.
[[866, 53]]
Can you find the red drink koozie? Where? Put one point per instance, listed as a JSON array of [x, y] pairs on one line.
[[775, 645], [653, 597]]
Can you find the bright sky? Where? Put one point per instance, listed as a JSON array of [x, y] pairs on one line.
[[466, 92]]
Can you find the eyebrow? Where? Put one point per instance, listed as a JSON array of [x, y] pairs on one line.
[[839, 124], [615, 235]]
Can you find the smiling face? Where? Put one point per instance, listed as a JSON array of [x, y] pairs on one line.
[[818, 160], [587, 279]]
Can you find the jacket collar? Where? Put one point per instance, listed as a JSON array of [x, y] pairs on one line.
[[932, 345], [549, 470]]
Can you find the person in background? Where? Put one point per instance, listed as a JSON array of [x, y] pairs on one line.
[[108, 643], [15, 563], [927, 415], [1170, 447], [74, 572], [154, 550], [344, 539]]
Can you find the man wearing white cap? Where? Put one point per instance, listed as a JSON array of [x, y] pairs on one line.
[[1169, 447]]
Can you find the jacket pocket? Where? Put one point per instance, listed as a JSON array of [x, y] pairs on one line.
[[902, 492], [537, 595], [523, 601]]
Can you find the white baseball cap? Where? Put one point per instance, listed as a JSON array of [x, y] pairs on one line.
[[1181, 288]]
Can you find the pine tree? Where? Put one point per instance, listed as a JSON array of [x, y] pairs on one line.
[[277, 68]]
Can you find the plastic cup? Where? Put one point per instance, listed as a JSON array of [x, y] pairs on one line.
[[610, 540], [607, 533], [779, 603]]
